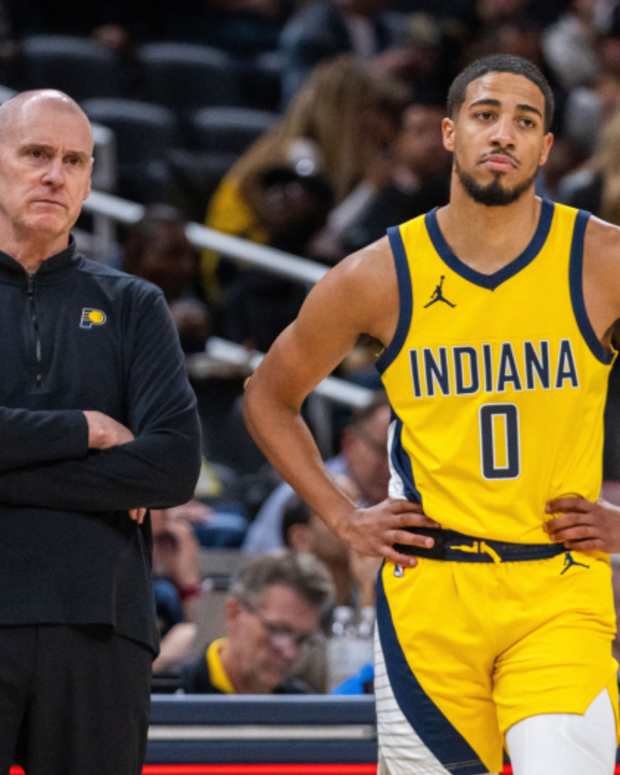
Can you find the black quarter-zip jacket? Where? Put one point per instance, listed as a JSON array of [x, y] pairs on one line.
[[75, 336]]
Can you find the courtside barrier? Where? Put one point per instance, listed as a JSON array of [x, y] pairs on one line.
[[261, 735]]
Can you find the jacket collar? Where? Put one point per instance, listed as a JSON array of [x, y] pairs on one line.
[[51, 267]]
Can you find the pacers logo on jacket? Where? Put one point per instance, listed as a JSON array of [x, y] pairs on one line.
[[92, 317]]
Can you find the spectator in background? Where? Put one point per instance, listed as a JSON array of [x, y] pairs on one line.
[[335, 134], [292, 204], [608, 43], [133, 20], [178, 535], [590, 106], [570, 45], [244, 28], [517, 34], [248, 27], [354, 576], [417, 60], [272, 614], [493, 12], [176, 580], [587, 110], [407, 48], [597, 188], [339, 126], [324, 29], [363, 459], [418, 182], [157, 249]]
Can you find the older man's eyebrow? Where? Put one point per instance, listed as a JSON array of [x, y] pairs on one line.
[[493, 103], [81, 155]]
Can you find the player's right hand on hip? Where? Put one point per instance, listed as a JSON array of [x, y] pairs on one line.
[[375, 530]]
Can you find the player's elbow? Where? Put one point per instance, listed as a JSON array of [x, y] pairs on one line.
[[258, 404], [250, 400]]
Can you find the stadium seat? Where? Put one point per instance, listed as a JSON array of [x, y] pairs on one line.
[[144, 134], [261, 80], [79, 66], [227, 129], [196, 176], [214, 139], [185, 76]]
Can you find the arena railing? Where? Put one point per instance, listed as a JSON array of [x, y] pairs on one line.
[[260, 257], [109, 210], [332, 388]]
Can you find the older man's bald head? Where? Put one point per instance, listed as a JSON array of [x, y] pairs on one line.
[[26, 104], [46, 160]]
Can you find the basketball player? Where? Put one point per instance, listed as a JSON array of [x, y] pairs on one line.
[[490, 633]]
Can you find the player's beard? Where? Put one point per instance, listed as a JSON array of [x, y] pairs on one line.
[[492, 194]]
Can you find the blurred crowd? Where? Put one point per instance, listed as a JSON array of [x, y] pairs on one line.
[[312, 126]]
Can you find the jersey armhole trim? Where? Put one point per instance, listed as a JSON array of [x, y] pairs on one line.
[[405, 296], [401, 467], [576, 290]]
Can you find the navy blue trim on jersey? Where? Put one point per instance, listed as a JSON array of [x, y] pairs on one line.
[[491, 281], [401, 463], [406, 300], [430, 724], [576, 289]]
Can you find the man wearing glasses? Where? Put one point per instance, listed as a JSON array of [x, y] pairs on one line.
[[272, 615]]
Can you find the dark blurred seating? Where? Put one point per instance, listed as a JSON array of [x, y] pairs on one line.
[[80, 66], [144, 134], [185, 76], [195, 178], [261, 81], [215, 137], [227, 129]]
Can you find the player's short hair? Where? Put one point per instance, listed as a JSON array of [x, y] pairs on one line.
[[500, 63]]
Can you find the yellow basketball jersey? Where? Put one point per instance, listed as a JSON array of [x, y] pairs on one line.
[[497, 382]]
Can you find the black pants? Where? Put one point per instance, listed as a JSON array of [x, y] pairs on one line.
[[73, 701]]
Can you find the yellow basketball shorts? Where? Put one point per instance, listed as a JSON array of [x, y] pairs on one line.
[[469, 649]]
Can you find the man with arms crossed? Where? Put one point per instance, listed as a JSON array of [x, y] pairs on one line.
[[494, 608], [98, 421]]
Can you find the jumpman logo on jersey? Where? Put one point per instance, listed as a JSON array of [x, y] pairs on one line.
[[569, 561], [437, 294]]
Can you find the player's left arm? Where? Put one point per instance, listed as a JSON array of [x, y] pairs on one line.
[[583, 524], [601, 279]]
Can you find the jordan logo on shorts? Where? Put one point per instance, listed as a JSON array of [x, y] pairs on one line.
[[569, 561], [437, 294]]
